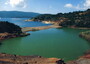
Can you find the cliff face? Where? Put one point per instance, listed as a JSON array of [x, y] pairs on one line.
[[15, 59]]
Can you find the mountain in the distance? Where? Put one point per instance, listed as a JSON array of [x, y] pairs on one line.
[[17, 14]]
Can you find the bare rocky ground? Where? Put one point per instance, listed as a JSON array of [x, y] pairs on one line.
[[16, 59]]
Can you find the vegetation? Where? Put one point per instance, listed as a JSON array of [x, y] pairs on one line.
[[77, 19], [9, 28], [85, 35]]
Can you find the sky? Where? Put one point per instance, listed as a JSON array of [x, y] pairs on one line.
[[44, 6]]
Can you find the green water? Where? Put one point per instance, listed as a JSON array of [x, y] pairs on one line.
[[61, 43]]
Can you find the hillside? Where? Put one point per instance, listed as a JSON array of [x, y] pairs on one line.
[[75, 19], [6, 27], [10, 30], [17, 14]]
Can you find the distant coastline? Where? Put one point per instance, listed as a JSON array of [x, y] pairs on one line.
[[78, 19], [57, 23]]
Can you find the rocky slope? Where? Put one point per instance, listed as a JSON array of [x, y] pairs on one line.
[[85, 35], [82, 60], [16, 59]]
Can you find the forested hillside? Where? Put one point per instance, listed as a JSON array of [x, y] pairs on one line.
[[77, 18], [9, 28]]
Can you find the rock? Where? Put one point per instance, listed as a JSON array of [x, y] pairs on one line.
[[16, 59], [9, 35]]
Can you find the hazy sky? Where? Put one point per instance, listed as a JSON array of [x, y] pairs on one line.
[[44, 6]]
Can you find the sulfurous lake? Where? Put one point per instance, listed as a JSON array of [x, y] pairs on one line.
[[61, 43]]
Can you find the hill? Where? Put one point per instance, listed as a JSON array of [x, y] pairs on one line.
[[10, 30], [6, 27], [75, 19], [17, 14]]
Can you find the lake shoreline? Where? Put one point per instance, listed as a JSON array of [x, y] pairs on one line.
[[14, 59], [34, 59], [4, 36], [26, 29], [57, 23], [85, 35]]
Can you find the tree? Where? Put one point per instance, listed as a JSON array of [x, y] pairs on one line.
[[9, 27]]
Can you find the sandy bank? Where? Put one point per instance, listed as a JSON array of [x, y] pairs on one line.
[[26, 29]]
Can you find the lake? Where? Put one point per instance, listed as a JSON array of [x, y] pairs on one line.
[[61, 43]]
